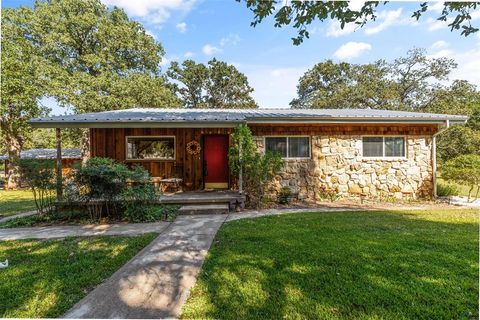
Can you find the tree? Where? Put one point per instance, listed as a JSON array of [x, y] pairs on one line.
[[259, 169], [227, 87], [21, 84], [101, 59], [215, 85], [456, 141], [464, 169], [193, 77], [343, 85], [300, 14], [407, 83]]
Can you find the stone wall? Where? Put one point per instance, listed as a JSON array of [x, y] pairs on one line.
[[337, 167]]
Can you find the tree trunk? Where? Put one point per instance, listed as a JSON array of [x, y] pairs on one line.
[[14, 146], [85, 148]]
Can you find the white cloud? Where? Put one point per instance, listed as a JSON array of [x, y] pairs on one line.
[[387, 18], [468, 66], [351, 50], [274, 86], [436, 6], [182, 27], [152, 11], [189, 54], [356, 5], [434, 24], [209, 49], [231, 39], [439, 45], [334, 29]]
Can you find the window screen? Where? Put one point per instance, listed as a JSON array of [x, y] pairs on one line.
[[139, 148], [276, 145], [394, 147], [298, 147], [373, 147], [384, 147], [289, 147]]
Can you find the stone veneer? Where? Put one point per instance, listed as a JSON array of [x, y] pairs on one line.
[[337, 166]]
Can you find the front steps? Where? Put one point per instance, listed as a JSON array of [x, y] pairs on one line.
[[205, 202], [204, 209]]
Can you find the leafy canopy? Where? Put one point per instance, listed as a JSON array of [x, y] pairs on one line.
[[464, 169], [215, 85], [408, 83], [101, 60], [300, 14]]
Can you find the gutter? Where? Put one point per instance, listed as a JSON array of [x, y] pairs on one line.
[[434, 155]]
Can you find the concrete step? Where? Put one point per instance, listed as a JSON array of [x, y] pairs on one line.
[[204, 209]]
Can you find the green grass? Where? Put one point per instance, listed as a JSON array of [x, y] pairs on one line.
[[46, 278], [344, 265], [15, 201]]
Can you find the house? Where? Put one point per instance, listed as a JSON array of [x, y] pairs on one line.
[[69, 157], [369, 153]]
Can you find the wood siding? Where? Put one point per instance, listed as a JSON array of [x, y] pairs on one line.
[[342, 129], [111, 142]]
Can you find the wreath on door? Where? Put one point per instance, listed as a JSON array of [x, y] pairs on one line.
[[193, 147]]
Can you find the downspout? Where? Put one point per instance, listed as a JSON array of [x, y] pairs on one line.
[[434, 156]]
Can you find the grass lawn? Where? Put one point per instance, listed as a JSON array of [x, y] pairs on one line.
[[343, 265], [15, 201], [46, 278]]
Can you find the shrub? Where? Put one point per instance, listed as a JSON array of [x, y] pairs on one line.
[[105, 183], [39, 176], [464, 169], [258, 169], [446, 190], [284, 195]]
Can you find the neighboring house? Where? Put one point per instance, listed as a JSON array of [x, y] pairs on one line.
[[372, 153], [69, 157]]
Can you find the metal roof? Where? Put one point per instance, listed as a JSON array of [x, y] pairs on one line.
[[139, 117], [47, 154]]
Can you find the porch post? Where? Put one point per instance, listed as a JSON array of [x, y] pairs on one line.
[[59, 163], [240, 173]]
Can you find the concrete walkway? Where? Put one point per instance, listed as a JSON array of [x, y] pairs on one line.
[[18, 215], [52, 232], [156, 282]]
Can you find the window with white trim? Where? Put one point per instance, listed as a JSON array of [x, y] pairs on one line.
[[289, 147], [150, 148], [383, 147]]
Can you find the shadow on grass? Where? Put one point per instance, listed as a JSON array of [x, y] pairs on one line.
[[340, 265], [45, 278]]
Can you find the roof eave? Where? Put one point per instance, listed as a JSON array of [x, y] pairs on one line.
[[132, 124]]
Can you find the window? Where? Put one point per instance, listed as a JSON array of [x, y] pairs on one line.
[[150, 148], [384, 147], [289, 147]]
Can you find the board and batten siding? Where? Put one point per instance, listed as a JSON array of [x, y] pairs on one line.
[[111, 143]]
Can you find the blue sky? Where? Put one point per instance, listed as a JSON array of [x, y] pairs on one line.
[[201, 30]]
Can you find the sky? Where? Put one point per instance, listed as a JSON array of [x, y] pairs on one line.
[[204, 29]]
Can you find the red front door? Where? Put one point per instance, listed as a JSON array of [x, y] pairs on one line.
[[215, 156]]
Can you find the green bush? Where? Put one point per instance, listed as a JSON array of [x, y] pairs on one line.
[[105, 184], [464, 169], [39, 176], [258, 169], [284, 195], [446, 190], [151, 213]]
